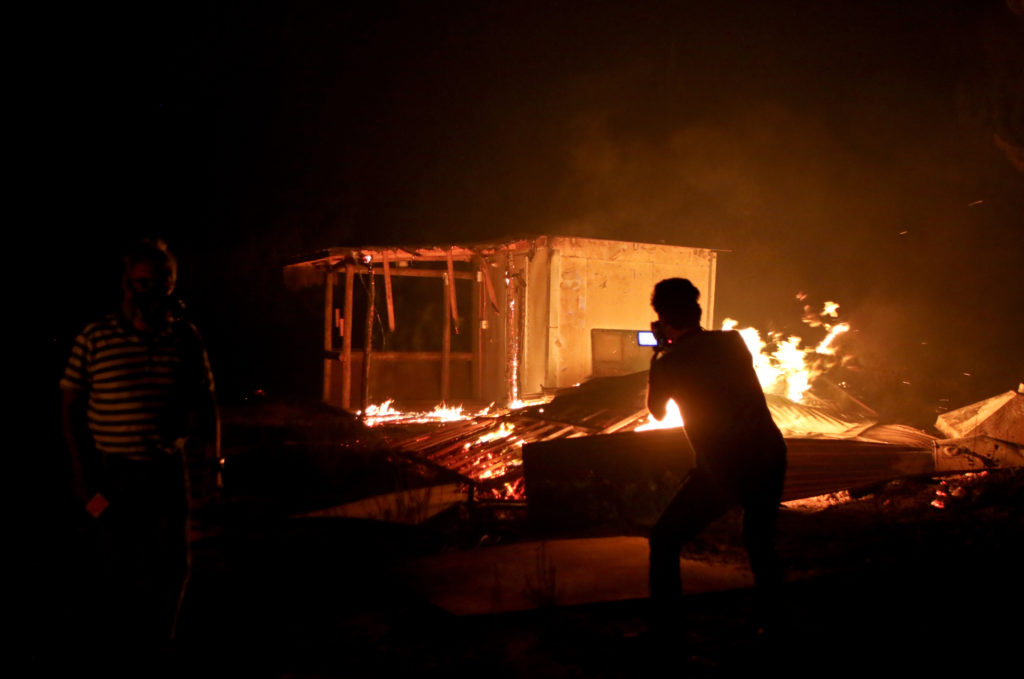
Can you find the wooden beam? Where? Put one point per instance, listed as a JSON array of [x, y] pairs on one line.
[[451, 292], [388, 295], [446, 343], [631, 419], [512, 336], [424, 273], [371, 294], [395, 256], [477, 305], [489, 286], [346, 344], [425, 356]]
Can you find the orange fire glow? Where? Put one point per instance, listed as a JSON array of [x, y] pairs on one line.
[[673, 418], [501, 432], [787, 368], [386, 413], [782, 366]]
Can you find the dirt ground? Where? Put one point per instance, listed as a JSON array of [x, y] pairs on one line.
[[916, 575]]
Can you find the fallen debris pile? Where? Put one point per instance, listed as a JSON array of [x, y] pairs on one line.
[[984, 435], [835, 441]]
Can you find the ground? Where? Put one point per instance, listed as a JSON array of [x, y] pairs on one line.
[[918, 574]]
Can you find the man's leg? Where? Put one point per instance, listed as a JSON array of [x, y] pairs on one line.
[[760, 513], [697, 503]]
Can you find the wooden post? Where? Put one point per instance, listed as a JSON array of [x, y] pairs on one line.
[[513, 331], [387, 293], [329, 280], [477, 305], [346, 345], [368, 341], [446, 342], [489, 286], [451, 292]]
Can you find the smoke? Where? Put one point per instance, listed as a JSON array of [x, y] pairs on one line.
[[992, 85], [855, 152], [872, 191]]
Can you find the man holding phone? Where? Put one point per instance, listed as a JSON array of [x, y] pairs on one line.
[[740, 453]]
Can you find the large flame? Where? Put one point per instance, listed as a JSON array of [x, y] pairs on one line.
[[782, 365]]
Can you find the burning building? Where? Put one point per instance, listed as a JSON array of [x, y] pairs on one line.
[[553, 320], [491, 322]]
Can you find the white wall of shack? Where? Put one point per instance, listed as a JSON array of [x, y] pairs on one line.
[[575, 285], [566, 288]]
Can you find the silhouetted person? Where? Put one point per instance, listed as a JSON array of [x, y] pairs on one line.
[[740, 454], [138, 393]]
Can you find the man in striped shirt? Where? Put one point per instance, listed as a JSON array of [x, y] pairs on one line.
[[137, 394]]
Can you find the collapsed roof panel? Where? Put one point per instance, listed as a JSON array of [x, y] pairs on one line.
[[999, 417], [984, 435]]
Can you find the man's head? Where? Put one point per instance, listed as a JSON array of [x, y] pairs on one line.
[[675, 302], [150, 272]]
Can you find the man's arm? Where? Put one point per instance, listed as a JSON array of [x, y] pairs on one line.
[[76, 438], [657, 389]]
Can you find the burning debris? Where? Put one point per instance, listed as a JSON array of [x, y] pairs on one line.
[[386, 413], [484, 449], [835, 444]]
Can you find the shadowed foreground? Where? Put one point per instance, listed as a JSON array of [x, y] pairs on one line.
[[885, 581]]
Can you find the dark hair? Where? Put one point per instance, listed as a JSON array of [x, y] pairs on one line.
[[675, 300], [154, 251]]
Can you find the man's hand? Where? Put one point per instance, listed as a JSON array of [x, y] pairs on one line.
[[96, 505]]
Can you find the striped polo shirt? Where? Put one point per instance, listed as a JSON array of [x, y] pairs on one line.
[[141, 389]]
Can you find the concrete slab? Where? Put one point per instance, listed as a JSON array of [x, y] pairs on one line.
[[530, 575]]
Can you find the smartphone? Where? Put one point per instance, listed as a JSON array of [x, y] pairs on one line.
[[646, 338]]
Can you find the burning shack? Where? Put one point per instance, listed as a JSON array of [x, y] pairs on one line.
[[489, 322], [545, 328]]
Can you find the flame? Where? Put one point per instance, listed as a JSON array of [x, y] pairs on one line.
[[383, 410], [673, 419], [501, 432], [386, 413], [519, 403], [825, 347], [785, 368]]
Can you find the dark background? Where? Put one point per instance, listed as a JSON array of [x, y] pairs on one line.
[[870, 153]]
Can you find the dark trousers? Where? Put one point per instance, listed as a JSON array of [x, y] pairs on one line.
[[698, 502], [142, 550]]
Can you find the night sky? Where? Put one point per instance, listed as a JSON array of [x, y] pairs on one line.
[[866, 152]]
